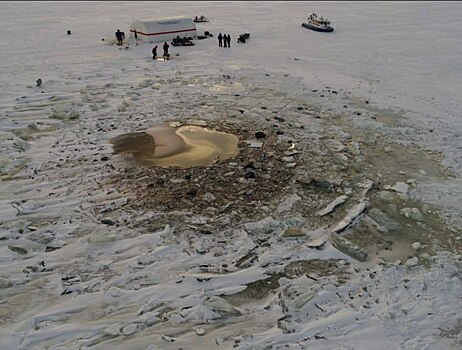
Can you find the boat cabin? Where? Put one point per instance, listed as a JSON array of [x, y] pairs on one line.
[[313, 18]]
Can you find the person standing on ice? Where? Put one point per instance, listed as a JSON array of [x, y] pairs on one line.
[[118, 35], [225, 42], [229, 40], [154, 52], [166, 46], [220, 40]]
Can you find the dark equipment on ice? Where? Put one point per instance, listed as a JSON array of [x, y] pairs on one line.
[[243, 37], [206, 35], [185, 41]]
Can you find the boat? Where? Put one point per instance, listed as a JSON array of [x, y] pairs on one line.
[[200, 18], [319, 24]]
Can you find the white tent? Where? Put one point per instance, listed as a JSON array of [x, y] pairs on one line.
[[163, 29]]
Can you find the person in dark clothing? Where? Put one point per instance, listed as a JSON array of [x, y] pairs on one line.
[[220, 40], [154, 52], [225, 40], [166, 46], [229, 40], [118, 35]]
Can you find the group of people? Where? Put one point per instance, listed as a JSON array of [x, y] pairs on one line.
[[224, 39], [165, 47]]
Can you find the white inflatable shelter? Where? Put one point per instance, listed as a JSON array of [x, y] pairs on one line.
[[163, 29]]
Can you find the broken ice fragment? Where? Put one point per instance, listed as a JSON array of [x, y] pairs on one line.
[[351, 216], [113, 330], [5, 283], [349, 248], [383, 220], [130, 329], [254, 143], [412, 213], [367, 186], [331, 206], [293, 232], [386, 196], [221, 306], [416, 214], [168, 339], [18, 250], [303, 299], [412, 262], [200, 331], [400, 187]]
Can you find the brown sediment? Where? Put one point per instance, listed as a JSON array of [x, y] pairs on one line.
[[202, 147], [248, 181], [184, 147], [168, 142], [137, 143]]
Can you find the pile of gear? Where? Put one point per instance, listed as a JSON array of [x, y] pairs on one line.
[[206, 35], [243, 37], [185, 41]]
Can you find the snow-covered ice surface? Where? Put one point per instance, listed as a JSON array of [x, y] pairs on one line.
[[362, 125]]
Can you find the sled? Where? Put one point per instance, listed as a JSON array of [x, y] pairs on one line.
[[162, 58]]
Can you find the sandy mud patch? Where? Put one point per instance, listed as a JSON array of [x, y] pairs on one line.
[[186, 146]]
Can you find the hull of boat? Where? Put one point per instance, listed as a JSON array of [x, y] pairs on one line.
[[316, 28]]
